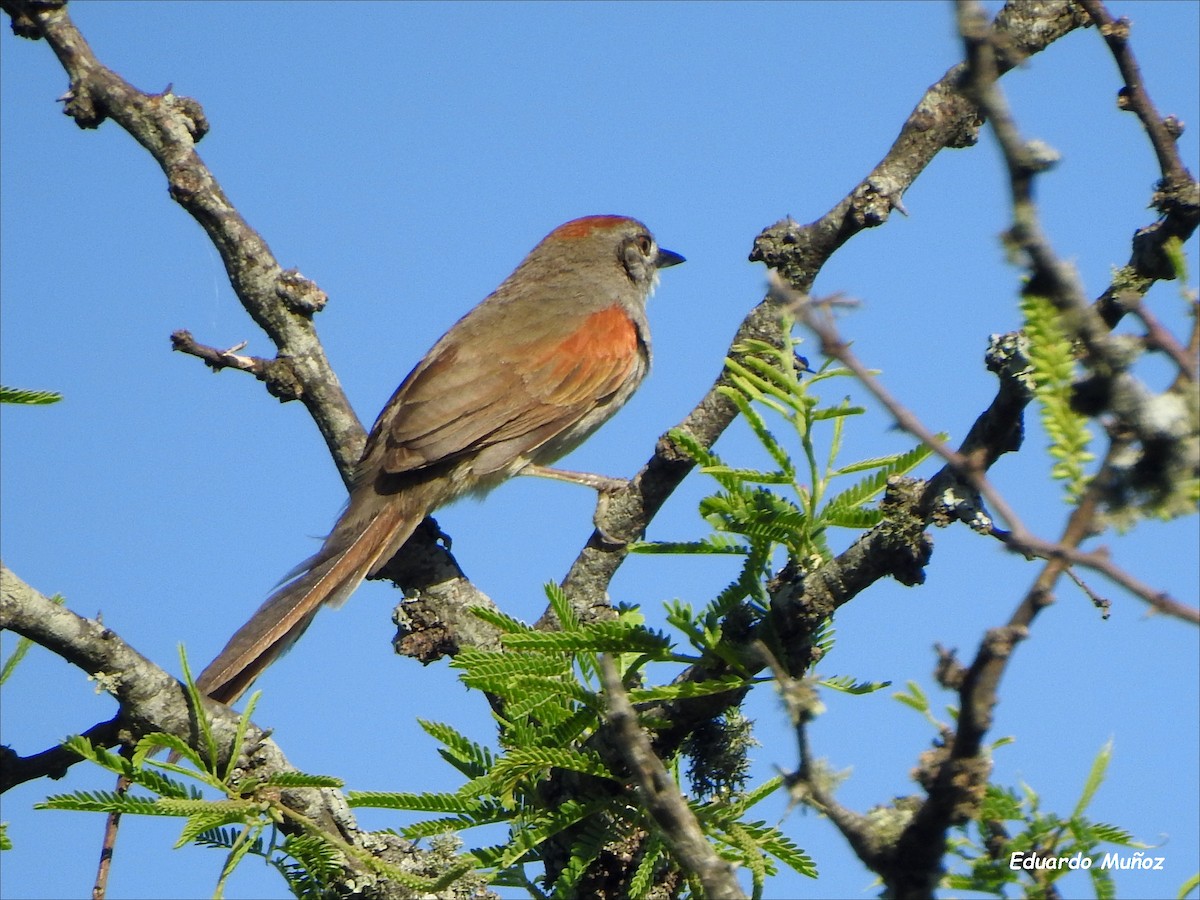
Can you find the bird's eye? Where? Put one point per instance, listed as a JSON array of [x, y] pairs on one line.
[[644, 244]]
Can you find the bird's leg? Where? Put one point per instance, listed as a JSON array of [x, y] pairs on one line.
[[601, 483], [604, 487]]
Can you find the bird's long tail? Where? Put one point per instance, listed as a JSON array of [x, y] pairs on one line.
[[369, 532]]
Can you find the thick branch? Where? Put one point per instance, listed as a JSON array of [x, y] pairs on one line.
[[281, 302], [943, 118], [151, 700], [169, 127]]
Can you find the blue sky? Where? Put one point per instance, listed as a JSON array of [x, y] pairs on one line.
[[406, 157]]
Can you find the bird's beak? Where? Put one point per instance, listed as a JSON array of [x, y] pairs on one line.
[[667, 258]]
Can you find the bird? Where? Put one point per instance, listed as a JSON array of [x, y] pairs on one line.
[[516, 383]]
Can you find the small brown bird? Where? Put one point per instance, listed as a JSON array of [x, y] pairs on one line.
[[519, 381]]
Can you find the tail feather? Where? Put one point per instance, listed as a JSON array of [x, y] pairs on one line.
[[328, 577]]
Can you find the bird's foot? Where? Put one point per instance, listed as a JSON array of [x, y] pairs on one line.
[[604, 487]]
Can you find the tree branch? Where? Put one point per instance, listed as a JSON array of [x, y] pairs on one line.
[[944, 118], [663, 801], [152, 700], [282, 302]]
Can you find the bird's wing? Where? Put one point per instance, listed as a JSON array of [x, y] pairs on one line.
[[464, 397]]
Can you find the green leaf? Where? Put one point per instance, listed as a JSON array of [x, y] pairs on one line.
[[27, 397], [875, 484], [467, 756], [692, 448], [751, 476], [105, 801], [1052, 357], [846, 684], [488, 664], [22, 648], [212, 815], [713, 544], [494, 617], [836, 412], [301, 780], [759, 426], [531, 760], [852, 517], [915, 698], [1094, 779], [653, 852], [687, 689], [560, 603], [453, 824], [426, 802], [160, 740], [597, 637]]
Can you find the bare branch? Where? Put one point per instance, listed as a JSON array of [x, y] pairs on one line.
[[152, 700], [943, 118], [1134, 97], [661, 795], [54, 761], [282, 302]]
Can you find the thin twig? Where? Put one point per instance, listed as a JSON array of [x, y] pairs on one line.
[[1134, 96], [814, 315]]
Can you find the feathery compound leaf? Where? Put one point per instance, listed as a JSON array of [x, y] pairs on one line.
[[28, 397], [212, 817], [590, 839], [22, 648], [755, 795], [1052, 357], [688, 689], [1094, 779], [453, 824], [895, 463], [837, 412], [319, 862], [1113, 834], [761, 379], [876, 483], [750, 856], [226, 838], [531, 761], [692, 448], [654, 851], [104, 801], [548, 702], [847, 685], [596, 637], [714, 544], [748, 476], [487, 664], [915, 698], [98, 755], [774, 842], [504, 622], [535, 831], [468, 757], [852, 517], [759, 426], [160, 740], [431, 802], [561, 605], [175, 806], [301, 780]]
